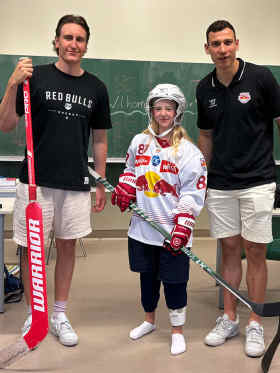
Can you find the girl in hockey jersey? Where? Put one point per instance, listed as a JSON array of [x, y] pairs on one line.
[[165, 175]]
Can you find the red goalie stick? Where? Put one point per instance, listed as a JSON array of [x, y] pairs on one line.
[[36, 257]]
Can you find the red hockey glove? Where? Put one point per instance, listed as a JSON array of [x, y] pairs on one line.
[[180, 234], [125, 191]]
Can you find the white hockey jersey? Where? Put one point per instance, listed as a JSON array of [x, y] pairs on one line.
[[167, 184]]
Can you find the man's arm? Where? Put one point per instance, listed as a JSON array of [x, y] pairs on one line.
[[8, 115], [205, 144], [99, 151], [278, 124]]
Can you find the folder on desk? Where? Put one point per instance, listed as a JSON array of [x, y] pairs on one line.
[[7, 194], [7, 182]]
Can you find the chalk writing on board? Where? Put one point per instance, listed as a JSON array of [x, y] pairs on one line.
[[122, 104]]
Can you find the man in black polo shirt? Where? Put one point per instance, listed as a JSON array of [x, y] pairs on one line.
[[237, 103]]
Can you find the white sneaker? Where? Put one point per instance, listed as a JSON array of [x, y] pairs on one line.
[[254, 345], [224, 329], [143, 329], [27, 325], [178, 344], [61, 328]]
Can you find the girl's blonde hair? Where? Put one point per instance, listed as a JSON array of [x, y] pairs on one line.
[[176, 134]]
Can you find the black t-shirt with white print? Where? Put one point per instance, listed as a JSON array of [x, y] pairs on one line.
[[64, 110]]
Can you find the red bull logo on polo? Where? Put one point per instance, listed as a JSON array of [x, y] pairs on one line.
[[244, 97]]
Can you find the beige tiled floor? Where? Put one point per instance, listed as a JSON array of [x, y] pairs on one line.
[[104, 306]]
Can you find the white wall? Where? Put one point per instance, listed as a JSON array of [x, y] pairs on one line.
[[159, 30]]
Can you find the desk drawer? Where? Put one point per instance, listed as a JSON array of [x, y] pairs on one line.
[[6, 205]]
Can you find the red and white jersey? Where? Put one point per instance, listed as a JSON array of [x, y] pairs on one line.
[[167, 183]]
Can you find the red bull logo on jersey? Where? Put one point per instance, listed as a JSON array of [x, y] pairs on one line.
[[164, 188], [142, 183], [244, 97], [142, 160], [167, 166], [152, 185]]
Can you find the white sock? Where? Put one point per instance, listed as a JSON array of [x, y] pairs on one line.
[[178, 344], [29, 310], [145, 328], [59, 306]]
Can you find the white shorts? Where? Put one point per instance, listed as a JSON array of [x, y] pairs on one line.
[[245, 211], [66, 212]]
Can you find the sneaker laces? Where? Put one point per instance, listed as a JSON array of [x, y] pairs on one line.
[[65, 326], [255, 334], [222, 325]]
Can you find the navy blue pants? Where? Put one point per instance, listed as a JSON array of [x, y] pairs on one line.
[[175, 294], [157, 265]]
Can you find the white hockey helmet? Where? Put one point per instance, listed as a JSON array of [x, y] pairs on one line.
[[167, 92]]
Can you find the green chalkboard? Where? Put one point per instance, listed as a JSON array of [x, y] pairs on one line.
[[128, 83]]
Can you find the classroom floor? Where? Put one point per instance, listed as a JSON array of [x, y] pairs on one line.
[[104, 306]]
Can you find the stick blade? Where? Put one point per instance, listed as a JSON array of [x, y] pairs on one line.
[[268, 356], [13, 352], [270, 309], [37, 276]]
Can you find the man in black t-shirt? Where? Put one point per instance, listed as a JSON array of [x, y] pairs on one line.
[[237, 104], [67, 104]]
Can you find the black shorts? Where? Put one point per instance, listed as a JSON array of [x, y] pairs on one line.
[[150, 258]]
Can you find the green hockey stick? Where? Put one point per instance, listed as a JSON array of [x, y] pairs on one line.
[[262, 309]]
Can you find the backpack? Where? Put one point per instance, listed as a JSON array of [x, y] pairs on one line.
[[13, 287]]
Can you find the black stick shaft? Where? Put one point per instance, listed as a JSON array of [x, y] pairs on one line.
[[268, 356], [266, 310]]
